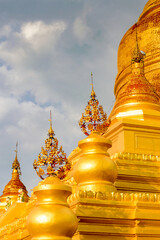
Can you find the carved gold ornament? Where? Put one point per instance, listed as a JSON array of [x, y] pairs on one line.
[[94, 118], [52, 159]]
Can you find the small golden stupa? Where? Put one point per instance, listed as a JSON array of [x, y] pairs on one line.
[[12, 189]]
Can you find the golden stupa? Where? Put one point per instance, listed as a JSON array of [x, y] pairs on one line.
[[108, 188], [14, 187]]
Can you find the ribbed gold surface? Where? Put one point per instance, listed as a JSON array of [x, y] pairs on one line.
[[148, 28], [149, 5]]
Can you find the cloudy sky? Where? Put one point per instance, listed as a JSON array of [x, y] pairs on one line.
[[48, 48]]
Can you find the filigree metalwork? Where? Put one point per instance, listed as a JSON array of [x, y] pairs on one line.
[[52, 159], [94, 118]]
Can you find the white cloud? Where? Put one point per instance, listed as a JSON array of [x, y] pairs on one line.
[[5, 31], [80, 29], [28, 122], [39, 35], [28, 57], [6, 105]]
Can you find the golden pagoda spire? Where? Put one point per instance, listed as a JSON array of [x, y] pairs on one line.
[[93, 95], [50, 131], [94, 118], [16, 164], [52, 160], [137, 55]]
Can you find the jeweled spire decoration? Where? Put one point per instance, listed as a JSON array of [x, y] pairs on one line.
[[52, 160], [16, 164], [137, 55], [94, 118]]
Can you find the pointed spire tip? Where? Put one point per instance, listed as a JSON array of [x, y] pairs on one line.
[[50, 131], [92, 82], [16, 164]]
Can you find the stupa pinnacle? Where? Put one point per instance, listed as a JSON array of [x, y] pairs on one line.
[[94, 118], [16, 164], [52, 160], [137, 55]]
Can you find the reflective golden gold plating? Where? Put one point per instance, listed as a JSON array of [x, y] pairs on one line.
[[150, 6], [138, 93], [51, 218], [95, 170], [148, 27]]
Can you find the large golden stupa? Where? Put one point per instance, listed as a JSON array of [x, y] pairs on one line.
[[147, 28], [109, 187]]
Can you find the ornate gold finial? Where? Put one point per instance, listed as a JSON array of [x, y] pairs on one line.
[[51, 160], [16, 164], [94, 118], [137, 55]]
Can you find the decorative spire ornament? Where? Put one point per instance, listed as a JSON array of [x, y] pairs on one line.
[[16, 164], [52, 160], [137, 55], [94, 119]]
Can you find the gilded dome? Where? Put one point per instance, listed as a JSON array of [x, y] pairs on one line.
[[148, 31], [14, 185]]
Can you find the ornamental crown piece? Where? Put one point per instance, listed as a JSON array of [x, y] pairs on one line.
[[94, 119], [52, 159]]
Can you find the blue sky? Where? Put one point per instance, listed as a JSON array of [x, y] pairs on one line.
[[48, 50]]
